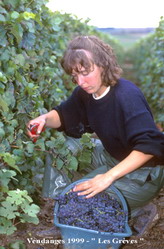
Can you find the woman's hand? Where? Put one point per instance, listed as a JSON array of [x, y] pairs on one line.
[[94, 186], [40, 122], [50, 119], [100, 182]]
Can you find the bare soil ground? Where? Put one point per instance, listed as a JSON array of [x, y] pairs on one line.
[[28, 233]]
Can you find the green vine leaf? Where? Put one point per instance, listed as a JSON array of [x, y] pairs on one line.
[[29, 219], [72, 164], [18, 197], [3, 105], [30, 147], [2, 133], [8, 210], [19, 244], [31, 210], [2, 18], [59, 163], [6, 226], [10, 160], [14, 15], [6, 176]]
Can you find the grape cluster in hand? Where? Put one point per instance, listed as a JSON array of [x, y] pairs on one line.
[[101, 212]]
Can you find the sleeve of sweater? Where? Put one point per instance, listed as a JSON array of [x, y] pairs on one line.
[[72, 115], [141, 131]]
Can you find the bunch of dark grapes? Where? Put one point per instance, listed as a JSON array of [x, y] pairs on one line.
[[101, 212]]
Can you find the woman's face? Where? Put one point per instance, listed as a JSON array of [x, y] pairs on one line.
[[91, 81]]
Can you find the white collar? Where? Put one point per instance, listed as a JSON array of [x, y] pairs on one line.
[[102, 95]]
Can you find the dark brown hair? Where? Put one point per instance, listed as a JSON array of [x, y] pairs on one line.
[[101, 54]]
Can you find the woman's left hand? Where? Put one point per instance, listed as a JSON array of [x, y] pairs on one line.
[[93, 186]]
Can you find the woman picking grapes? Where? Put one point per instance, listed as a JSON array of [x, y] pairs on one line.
[[131, 151]]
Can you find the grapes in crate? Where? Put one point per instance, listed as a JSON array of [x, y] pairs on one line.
[[101, 212]]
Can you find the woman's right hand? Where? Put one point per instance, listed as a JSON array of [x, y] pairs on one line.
[[40, 123], [50, 119]]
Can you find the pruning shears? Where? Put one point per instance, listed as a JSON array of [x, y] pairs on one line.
[[33, 129]]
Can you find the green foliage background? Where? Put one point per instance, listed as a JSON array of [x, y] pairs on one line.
[[148, 60], [31, 83], [32, 41]]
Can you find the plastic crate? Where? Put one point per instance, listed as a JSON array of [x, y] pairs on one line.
[[81, 238]]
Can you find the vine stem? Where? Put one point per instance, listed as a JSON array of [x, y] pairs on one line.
[[29, 3], [17, 147], [16, 223]]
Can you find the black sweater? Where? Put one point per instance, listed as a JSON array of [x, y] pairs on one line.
[[121, 119]]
